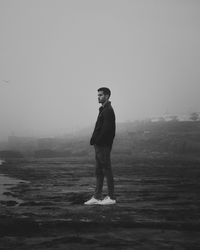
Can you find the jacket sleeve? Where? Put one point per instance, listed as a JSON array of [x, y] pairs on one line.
[[108, 121], [92, 139]]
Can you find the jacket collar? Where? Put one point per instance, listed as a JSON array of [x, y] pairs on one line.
[[106, 104]]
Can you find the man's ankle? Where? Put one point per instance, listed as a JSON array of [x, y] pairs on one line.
[[97, 197], [112, 197]]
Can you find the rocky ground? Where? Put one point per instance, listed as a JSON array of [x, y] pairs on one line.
[[158, 206]]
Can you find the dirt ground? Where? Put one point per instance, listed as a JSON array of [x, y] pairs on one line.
[[158, 206]]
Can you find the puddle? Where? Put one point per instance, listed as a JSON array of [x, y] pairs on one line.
[[1, 161], [7, 182]]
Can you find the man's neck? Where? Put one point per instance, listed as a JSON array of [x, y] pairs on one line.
[[103, 104]]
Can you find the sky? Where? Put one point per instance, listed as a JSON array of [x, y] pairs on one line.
[[55, 54]]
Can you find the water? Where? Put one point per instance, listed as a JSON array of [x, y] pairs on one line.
[[1, 161], [5, 183]]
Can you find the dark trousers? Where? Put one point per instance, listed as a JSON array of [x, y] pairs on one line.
[[103, 169]]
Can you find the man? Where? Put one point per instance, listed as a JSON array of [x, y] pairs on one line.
[[102, 139]]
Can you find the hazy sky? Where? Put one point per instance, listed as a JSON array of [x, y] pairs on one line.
[[56, 53]]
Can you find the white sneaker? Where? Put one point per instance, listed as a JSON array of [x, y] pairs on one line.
[[107, 201], [92, 201]]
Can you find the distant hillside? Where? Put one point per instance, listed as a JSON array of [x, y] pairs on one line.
[[132, 138], [146, 137], [164, 137]]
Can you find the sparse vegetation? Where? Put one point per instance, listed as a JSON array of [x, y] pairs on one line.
[[194, 116]]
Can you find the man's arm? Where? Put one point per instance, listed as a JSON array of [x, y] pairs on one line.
[[108, 123]]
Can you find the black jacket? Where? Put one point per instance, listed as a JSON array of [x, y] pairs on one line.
[[104, 131]]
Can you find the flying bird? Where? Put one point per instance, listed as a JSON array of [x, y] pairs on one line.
[[5, 81]]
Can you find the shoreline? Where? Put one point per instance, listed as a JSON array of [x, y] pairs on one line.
[[7, 183]]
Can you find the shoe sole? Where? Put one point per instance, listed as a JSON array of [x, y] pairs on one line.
[[92, 204], [107, 204]]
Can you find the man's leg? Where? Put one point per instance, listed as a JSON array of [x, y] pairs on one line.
[[108, 171], [99, 156], [99, 178]]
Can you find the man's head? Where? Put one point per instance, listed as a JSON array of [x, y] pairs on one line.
[[103, 94]]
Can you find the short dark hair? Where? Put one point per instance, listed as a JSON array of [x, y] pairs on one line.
[[105, 90]]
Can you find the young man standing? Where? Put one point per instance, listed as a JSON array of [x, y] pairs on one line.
[[102, 139]]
